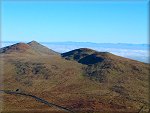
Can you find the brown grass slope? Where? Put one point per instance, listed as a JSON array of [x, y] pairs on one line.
[[125, 77], [88, 81]]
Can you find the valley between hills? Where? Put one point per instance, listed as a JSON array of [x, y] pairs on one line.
[[36, 79]]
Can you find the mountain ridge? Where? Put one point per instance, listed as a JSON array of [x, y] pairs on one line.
[[80, 53], [82, 80], [31, 47], [16, 47]]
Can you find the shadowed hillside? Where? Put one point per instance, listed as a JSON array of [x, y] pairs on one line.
[[19, 47], [82, 80]]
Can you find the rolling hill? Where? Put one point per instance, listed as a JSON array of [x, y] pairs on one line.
[[82, 80]]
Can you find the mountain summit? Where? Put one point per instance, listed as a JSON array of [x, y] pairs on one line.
[[86, 56], [41, 49], [32, 47], [33, 43]]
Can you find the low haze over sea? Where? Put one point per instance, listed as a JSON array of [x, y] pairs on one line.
[[138, 52]]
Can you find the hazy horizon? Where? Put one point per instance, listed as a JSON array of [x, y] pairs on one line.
[[16, 41]]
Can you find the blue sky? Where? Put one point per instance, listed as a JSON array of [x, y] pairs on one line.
[[100, 22]]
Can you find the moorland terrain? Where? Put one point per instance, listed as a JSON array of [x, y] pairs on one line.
[[35, 78]]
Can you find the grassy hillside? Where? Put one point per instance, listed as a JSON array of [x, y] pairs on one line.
[[82, 80]]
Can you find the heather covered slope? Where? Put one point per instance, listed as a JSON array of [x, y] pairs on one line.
[[87, 81]]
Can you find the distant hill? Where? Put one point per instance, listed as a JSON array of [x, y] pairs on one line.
[[82, 80]]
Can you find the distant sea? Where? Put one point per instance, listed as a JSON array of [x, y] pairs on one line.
[[138, 52]]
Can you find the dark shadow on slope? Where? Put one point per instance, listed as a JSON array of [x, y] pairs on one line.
[[90, 59]]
